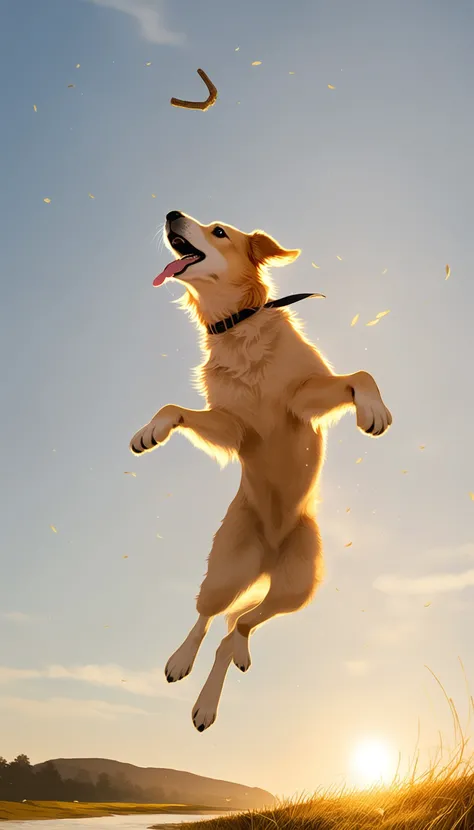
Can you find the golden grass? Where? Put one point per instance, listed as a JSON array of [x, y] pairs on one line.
[[441, 798], [64, 809]]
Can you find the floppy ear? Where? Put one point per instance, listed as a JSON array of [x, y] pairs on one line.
[[264, 250]]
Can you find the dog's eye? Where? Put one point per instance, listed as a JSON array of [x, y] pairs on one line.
[[220, 232]]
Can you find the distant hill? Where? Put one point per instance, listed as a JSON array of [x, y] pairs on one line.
[[157, 785]]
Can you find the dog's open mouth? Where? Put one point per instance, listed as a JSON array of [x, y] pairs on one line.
[[188, 255]]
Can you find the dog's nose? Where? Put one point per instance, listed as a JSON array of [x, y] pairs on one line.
[[174, 214]]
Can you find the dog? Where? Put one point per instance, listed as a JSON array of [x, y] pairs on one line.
[[270, 396]]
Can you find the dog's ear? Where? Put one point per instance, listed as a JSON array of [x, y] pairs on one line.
[[264, 250]]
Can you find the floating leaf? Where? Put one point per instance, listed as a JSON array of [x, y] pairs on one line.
[[314, 265], [348, 545], [78, 65], [236, 48], [339, 258], [404, 472], [91, 196], [373, 322], [427, 604], [127, 473], [384, 271], [382, 314], [35, 108], [354, 319], [158, 536], [291, 73], [256, 63], [380, 811], [148, 63], [348, 509], [71, 86], [472, 496], [330, 86], [448, 272], [422, 446], [126, 556], [53, 529], [358, 460], [47, 201], [153, 195]]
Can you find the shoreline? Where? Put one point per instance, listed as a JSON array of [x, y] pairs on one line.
[[44, 810]]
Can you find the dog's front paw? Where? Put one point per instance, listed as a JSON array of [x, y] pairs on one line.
[[373, 417], [241, 651], [157, 431]]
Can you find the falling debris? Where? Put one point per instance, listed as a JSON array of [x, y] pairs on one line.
[[384, 271], [47, 201], [373, 322], [153, 195], [422, 446], [78, 65], [330, 86], [291, 73], [236, 48], [91, 196], [148, 63], [348, 509], [339, 258], [472, 496], [448, 272], [358, 460], [354, 319], [35, 108], [199, 105], [53, 529], [314, 265], [256, 63], [158, 536], [71, 86], [348, 545], [128, 473], [427, 604], [126, 556], [404, 472], [382, 314]]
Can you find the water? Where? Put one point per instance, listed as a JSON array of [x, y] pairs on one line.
[[133, 822]]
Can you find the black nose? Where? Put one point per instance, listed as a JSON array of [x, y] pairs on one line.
[[175, 214]]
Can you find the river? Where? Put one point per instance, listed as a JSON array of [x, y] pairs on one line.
[[131, 822]]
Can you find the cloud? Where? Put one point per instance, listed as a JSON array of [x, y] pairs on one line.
[[149, 15], [8, 675], [63, 707], [357, 668], [16, 616], [430, 584], [146, 683]]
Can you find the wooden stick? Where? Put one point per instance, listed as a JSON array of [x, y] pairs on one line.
[[199, 105]]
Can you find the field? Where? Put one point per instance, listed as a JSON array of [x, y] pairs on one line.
[[62, 809], [437, 804]]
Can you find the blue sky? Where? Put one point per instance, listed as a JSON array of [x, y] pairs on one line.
[[377, 171]]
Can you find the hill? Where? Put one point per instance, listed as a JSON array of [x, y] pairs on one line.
[[158, 785]]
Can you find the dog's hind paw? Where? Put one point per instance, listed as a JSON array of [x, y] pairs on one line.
[[180, 663], [204, 713], [241, 654]]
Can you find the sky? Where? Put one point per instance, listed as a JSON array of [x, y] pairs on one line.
[[352, 140]]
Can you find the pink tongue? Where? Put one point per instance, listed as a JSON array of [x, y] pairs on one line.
[[171, 269]]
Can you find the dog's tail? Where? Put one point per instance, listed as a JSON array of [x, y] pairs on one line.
[[252, 597]]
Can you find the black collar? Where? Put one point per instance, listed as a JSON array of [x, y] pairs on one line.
[[223, 325]]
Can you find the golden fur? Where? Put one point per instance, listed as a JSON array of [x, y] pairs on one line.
[[270, 396]]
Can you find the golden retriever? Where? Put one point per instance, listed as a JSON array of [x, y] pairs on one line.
[[269, 398]]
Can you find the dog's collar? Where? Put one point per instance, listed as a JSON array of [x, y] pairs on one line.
[[224, 325]]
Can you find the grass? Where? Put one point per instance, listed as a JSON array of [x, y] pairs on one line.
[[441, 798], [25, 811]]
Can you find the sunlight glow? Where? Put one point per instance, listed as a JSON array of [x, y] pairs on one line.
[[373, 763]]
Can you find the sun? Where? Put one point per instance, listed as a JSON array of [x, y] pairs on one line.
[[373, 763]]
